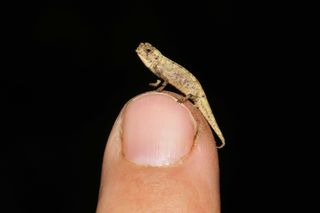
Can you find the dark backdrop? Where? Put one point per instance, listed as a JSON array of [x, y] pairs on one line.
[[72, 66]]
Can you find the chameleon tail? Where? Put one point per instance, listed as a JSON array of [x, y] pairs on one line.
[[204, 107]]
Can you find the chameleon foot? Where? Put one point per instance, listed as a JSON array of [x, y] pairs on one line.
[[184, 99], [155, 84]]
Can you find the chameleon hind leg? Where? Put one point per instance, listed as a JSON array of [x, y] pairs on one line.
[[185, 98]]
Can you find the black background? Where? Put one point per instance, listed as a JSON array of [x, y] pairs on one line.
[[71, 66]]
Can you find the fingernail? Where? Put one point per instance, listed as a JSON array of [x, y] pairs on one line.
[[157, 131]]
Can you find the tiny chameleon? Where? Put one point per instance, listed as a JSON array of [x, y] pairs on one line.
[[179, 77]]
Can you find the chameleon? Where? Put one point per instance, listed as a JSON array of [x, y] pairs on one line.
[[174, 74]]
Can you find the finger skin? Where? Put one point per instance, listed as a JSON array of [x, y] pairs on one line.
[[189, 185]]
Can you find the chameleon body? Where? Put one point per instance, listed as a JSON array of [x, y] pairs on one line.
[[179, 77]]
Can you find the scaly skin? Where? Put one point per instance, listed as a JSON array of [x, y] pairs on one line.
[[176, 75]]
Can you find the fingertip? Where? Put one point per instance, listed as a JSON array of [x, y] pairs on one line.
[[155, 126]]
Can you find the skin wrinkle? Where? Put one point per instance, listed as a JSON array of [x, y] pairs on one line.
[[156, 188]]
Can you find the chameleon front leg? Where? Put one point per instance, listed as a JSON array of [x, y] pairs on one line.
[[159, 89], [156, 83], [164, 84]]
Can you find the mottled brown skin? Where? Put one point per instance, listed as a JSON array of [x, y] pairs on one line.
[[176, 75]]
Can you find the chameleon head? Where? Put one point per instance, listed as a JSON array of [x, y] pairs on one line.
[[149, 55]]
